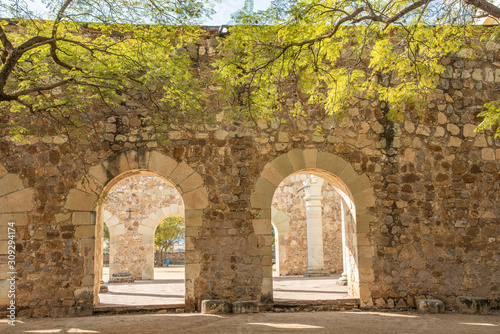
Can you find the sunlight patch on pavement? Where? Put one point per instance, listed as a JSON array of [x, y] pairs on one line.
[[282, 325], [478, 324]]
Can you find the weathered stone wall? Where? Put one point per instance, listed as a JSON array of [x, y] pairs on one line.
[[425, 192], [289, 208]]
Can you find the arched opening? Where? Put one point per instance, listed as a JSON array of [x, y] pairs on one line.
[[135, 208], [307, 213], [357, 197]]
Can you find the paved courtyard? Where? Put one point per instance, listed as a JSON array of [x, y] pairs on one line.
[[168, 288], [262, 323]]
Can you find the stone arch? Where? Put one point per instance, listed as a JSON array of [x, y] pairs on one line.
[[141, 244], [16, 202], [355, 189], [85, 201]]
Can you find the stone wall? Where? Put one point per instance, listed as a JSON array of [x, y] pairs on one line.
[[132, 210], [289, 218], [424, 192]]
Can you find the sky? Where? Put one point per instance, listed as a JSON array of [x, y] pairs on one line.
[[222, 16]]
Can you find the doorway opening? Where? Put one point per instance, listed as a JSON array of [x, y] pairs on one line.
[[143, 217], [314, 239]]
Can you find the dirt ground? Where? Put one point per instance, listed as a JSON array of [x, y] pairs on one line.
[[314, 322]]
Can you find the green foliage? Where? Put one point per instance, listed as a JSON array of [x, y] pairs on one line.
[[59, 71], [337, 52], [168, 232], [491, 117], [106, 240]]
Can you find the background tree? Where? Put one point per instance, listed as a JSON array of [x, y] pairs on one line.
[[95, 53], [337, 51], [105, 239], [168, 232]]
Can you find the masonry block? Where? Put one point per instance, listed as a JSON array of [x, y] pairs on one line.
[[192, 182], [19, 201], [196, 199], [283, 165], [272, 175], [180, 173], [430, 306], [331, 163], [245, 307], [297, 159], [215, 306], [161, 163], [473, 305], [80, 201], [310, 158], [10, 183]]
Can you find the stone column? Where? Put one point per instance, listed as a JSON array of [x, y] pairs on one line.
[[343, 278], [314, 206]]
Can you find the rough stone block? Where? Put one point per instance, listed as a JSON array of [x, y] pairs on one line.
[[215, 306], [245, 307], [19, 201], [473, 305], [10, 183], [430, 306]]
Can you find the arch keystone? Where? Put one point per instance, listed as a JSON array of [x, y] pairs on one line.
[[310, 158]]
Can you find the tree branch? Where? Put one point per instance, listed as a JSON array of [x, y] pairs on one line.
[[484, 6]]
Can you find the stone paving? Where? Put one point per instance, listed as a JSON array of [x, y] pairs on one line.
[[168, 288], [262, 323]]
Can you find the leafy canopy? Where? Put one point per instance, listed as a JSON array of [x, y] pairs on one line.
[[95, 52], [337, 51], [168, 232]]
